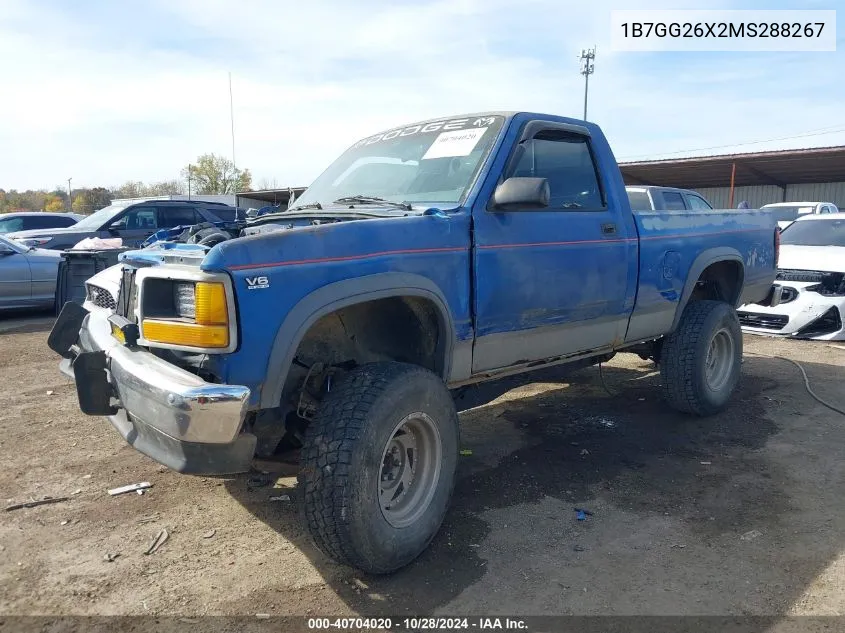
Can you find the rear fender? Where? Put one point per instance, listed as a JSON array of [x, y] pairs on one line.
[[699, 265]]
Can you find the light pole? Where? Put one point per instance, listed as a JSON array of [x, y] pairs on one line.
[[69, 201], [588, 55], [232, 122]]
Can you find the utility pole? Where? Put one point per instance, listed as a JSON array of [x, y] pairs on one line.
[[232, 120], [189, 180], [588, 55], [69, 200]]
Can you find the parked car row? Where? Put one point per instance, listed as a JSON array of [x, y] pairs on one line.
[[30, 250], [131, 222], [29, 220]]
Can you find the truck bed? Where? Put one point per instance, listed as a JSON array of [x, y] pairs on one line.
[[677, 245]]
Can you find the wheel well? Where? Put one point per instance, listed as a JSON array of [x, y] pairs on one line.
[[720, 281], [403, 328]]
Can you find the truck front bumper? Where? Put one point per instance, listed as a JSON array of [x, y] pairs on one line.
[[163, 411]]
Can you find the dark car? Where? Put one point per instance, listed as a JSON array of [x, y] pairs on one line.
[[29, 220], [131, 221]]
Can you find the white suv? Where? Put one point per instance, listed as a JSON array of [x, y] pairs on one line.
[[787, 212]]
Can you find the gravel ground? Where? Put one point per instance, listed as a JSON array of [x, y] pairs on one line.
[[736, 514]]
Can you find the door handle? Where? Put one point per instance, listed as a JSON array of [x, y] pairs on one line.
[[608, 229]]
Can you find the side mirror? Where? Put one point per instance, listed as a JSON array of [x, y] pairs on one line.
[[522, 193]]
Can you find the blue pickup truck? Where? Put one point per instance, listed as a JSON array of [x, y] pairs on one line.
[[425, 261]]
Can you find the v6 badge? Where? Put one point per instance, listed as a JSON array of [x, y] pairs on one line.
[[254, 283]]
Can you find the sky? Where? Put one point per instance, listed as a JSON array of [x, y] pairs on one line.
[[104, 92]]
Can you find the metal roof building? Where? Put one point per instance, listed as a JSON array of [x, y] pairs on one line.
[[264, 197], [245, 199], [795, 175]]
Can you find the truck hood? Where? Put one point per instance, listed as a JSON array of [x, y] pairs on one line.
[[68, 230], [824, 258], [155, 255], [326, 236], [272, 238], [165, 253]]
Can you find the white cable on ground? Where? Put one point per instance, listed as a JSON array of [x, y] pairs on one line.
[[815, 396]]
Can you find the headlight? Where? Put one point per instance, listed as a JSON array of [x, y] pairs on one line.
[[184, 298], [197, 317], [34, 242], [829, 289], [832, 285]]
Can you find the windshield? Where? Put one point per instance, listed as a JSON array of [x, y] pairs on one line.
[[8, 225], [787, 214], [98, 218], [815, 233], [427, 162]]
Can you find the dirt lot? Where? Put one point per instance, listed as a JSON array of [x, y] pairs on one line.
[[737, 514]]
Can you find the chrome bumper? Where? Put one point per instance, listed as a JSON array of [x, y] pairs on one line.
[[163, 411]]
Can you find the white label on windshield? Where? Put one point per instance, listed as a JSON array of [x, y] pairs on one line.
[[456, 143]]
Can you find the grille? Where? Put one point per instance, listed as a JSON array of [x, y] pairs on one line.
[[763, 321], [100, 297], [801, 275]]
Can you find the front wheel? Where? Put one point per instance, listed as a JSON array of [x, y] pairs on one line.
[[378, 466], [701, 361]]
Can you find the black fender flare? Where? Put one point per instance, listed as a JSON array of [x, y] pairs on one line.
[[339, 295], [707, 258]]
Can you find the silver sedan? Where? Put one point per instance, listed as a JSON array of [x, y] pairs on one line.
[[27, 275]]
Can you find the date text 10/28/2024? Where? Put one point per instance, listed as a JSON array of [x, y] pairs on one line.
[[417, 624]]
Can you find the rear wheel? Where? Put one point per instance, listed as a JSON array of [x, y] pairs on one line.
[[701, 361], [378, 466]]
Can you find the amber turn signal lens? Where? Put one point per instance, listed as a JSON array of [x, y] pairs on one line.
[[187, 334], [117, 333], [211, 304]]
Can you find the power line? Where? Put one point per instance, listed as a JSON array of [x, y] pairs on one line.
[[818, 132]]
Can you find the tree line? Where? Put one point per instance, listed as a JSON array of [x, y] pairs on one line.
[[209, 175]]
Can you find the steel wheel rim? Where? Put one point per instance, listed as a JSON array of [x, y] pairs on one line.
[[719, 362], [410, 469]]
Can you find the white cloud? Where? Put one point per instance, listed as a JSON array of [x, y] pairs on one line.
[[107, 96]]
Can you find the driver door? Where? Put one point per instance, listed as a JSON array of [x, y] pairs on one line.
[[557, 281]]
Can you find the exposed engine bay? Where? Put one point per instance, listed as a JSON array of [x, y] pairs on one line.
[[209, 234]]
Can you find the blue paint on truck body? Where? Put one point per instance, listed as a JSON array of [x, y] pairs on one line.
[[517, 286]]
